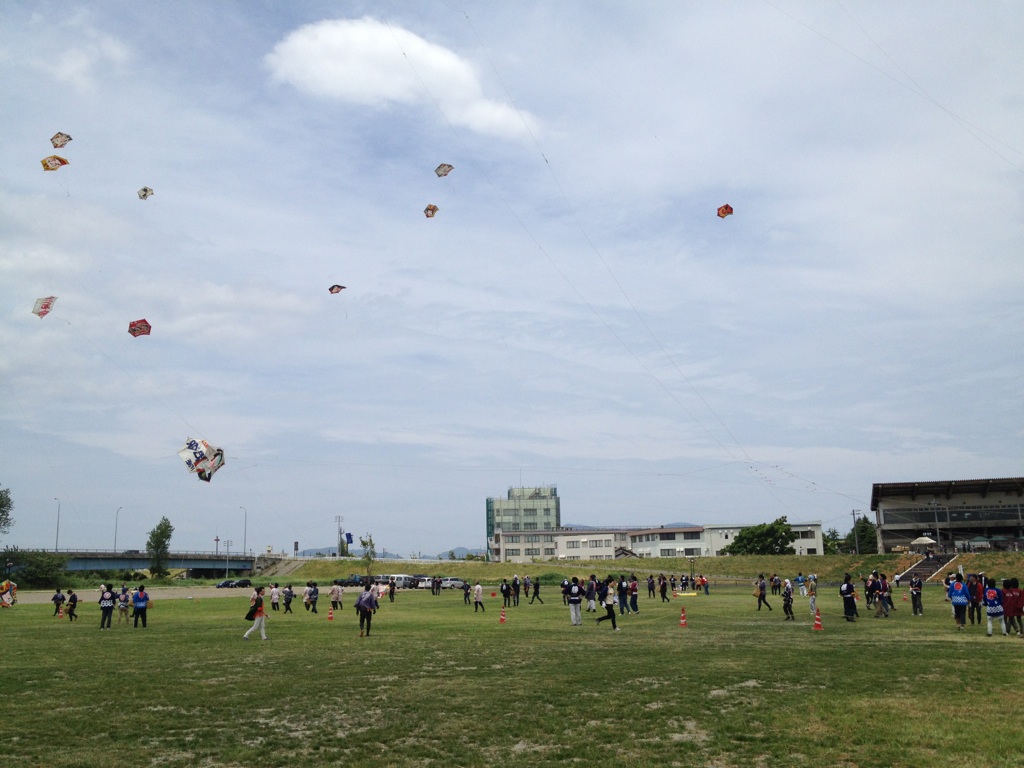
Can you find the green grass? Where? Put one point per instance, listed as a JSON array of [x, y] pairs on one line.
[[439, 685]]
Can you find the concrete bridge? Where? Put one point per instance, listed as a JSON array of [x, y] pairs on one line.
[[198, 564]]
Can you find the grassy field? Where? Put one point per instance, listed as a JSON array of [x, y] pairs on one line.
[[439, 685]]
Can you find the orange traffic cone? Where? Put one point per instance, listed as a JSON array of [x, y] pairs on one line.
[[330, 614], [60, 611], [904, 597], [682, 618], [817, 622], [502, 619]]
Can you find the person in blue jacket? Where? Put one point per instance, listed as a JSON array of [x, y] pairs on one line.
[[959, 595], [993, 598], [141, 603]]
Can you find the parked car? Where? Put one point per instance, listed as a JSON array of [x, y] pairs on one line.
[[225, 583], [452, 582], [424, 583], [243, 583]]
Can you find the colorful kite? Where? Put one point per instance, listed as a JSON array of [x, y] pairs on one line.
[[430, 210], [202, 458], [139, 328], [8, 593], [43, 306], [725, 210], [53, 162], [336, 288], [444, 169], [60, 140], [145, 193]]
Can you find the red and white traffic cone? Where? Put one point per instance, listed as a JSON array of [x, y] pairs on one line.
[[682, 618], [502, 619], [330, 614], [904, 597], [817, 622], [60, 611]]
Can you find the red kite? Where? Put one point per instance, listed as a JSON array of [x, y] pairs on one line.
[[139, 328], [336, 288], [60, 140], [53, 162], [430, 210], [444, 169], [725, 210]]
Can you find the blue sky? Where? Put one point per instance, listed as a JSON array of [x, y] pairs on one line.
[[576, 314]]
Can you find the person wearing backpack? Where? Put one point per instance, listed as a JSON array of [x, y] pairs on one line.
[[367, 606], [256, 614]]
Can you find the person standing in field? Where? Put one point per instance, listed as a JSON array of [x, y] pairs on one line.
[[606, 595], [478, 598], [959, 596], [57, 600], [141, 604], [812, 594], [536, 592], [275, 597], [650, 586], [391, 590], [787, 600], [849, 594], [122, 607], [591, 594], [259, 617], [366, 605], [335, 595], [516, 587], [762, 592], [994, 608], [915, 595], [1013, 606], [506, 593], [622, 589], [634, 593], [288, 594], [466, 589], [72, 605], [305, 594], [663, 586], [975, 591], [106, 601], [526, 585], [882, 597], [314, 595], [574, 597]]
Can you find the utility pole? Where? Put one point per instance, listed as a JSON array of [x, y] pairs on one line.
[[856, 538]]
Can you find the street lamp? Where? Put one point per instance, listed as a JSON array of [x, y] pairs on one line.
[[115, 527], [856, 538], [56, 541], [216, 545], [227, 556], [245, 526]]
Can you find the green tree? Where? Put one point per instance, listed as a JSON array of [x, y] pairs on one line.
[[862, 537], [44, 570], [369, 554], [159, 547], [833, 542], [773, 538], [6, 507], [451, 554]]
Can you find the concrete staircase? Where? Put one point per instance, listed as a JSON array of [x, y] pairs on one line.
[[926, 569]]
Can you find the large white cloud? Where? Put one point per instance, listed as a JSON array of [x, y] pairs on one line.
[[368, 62]]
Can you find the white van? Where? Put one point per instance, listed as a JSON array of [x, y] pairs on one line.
[[404, 581]]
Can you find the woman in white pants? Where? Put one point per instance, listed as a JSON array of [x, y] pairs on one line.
[[259, 618]]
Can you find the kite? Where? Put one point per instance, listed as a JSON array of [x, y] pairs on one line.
[[43, 306], [725, 210], [59, 140], [430, 210], [139, 328], [442, 170], [53, 162], [8, 593], [336, 288], [202, 458], [145, 193]]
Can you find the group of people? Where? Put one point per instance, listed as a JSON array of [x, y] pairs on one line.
[[366, 604], [1003, 605], [135, 600], [786, 588]]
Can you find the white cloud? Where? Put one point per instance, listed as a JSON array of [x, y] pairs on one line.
[[374, 64]]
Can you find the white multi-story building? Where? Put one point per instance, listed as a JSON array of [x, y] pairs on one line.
[[527, 526]]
